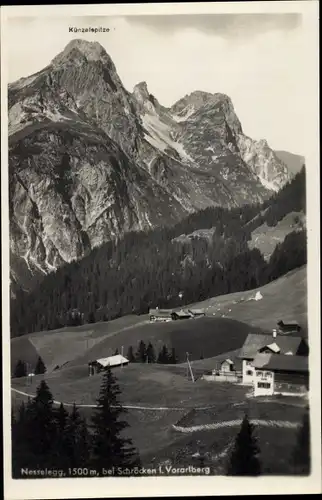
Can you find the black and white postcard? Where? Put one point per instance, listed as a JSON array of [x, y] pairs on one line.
[[160, 229]]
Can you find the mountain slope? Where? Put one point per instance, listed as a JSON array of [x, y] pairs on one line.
[[211, 252], [293, 162], [89, 161], [282, 299]]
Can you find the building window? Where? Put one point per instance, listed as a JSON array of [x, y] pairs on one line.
[[259, 374], [249, 372], [268, 374], [263, 385]]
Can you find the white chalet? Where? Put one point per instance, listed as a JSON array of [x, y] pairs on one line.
[[274, 364]]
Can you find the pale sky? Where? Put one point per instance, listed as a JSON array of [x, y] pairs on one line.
[[256, 59]]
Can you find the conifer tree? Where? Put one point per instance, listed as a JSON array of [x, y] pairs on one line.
[[61, 417], [59, 444], [77, 441], [244, 457], [150, 353], [141, 353], [20, 454], [20, 369], [40, 429], [130, 355], [301, 457], [173, 357], [40, 367], [109, 448], [163, 356]]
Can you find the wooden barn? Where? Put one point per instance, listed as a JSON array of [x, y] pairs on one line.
[[161, 315], [289, 327], [181, 315], [101, 364]]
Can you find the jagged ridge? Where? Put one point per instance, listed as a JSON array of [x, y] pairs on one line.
[[90, 161]]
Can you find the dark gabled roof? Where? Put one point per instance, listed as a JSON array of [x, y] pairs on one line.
[[280, 362], [255, 341], [290, 323], [182, 314]]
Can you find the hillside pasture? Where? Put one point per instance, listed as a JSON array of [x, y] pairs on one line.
[[229, 319], [148, 385], [265, 237], [58, 347], [168, 398], [284, 298], [23, 349], [276, 446], [204, 336]]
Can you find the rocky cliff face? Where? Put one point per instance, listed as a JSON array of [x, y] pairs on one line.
[[89, 161]]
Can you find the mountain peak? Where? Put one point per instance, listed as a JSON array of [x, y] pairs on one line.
[[92, 51], [140, 91]]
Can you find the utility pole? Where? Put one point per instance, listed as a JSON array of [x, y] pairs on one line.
[[189, 368]]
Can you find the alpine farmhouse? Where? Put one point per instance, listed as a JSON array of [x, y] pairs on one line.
[[275, 365]]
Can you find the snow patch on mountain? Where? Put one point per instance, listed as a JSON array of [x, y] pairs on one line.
[[159, 136], [184, 114]]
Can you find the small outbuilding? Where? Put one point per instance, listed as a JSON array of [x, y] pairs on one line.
[[289, 327], [160, 315], [225, 370], [101, 364], [181, 315]]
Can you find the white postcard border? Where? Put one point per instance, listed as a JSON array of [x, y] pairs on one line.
[[180, 486]]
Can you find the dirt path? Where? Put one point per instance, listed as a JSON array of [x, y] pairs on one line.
[[217, 425], [235, 423], [128, 407]]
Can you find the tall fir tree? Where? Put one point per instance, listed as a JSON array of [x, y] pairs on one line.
[[150, 353], [59, 445], [244, 459], [61, 417], [40, 429], [163, 356], [141, 352], [20, 369], [301, 457], [20, 452], [159, 358], [173, 357], [130, 355], [40, 367], [109, 447], [77, 440]]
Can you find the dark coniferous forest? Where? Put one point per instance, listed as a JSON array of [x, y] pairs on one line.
[[148, 269], [47, 436]]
